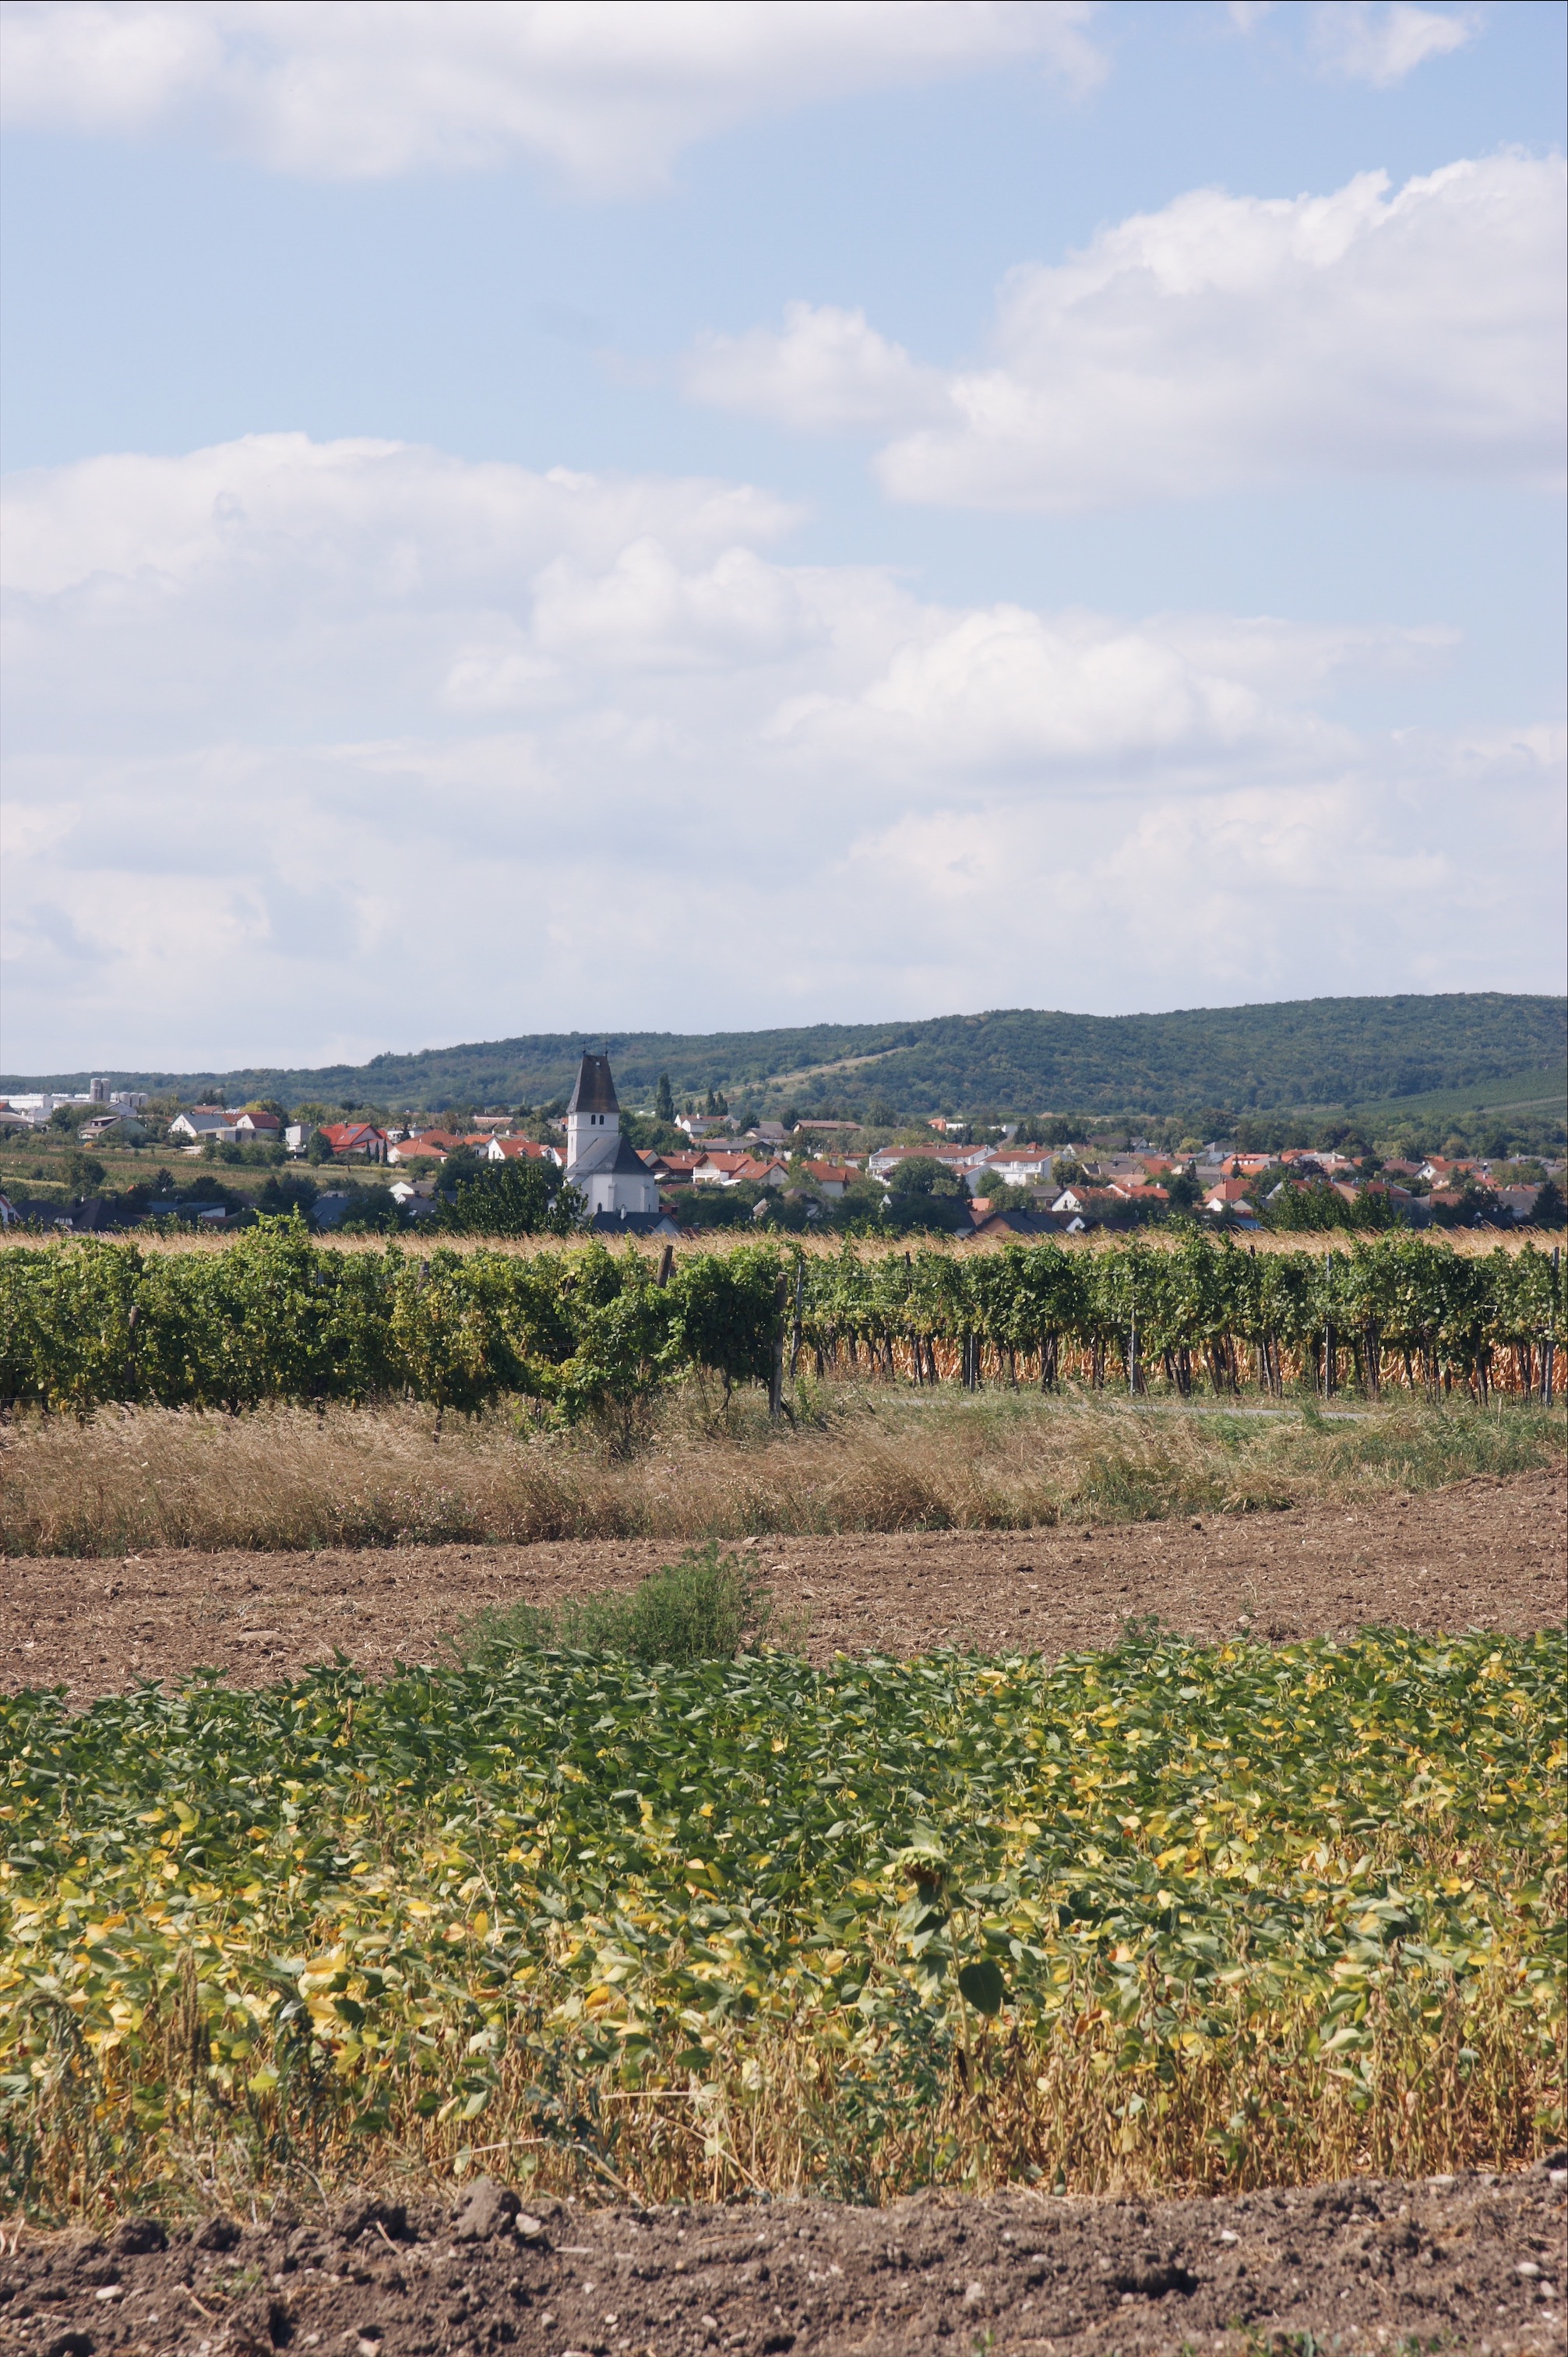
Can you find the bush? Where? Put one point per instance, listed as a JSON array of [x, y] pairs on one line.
[[704, 1608]]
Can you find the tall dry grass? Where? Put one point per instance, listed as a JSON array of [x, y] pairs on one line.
[[874, 1458], [1467, 1242]]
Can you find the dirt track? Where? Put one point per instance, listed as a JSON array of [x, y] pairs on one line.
[[1473, 2263], [1484, 1553]]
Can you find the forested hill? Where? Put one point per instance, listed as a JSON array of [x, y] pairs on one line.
[[1318, 1051]]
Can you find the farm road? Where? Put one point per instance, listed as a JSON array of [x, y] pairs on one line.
[[1484, 1553]]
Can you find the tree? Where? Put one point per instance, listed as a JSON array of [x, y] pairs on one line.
[[318, 1150], [524, 1197], [664, 1099], [1550, 1210], [83, 1173], [919, 1176], [1183, 1192], [462, 1165], [294, 1192]]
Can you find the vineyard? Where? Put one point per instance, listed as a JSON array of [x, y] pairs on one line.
[[582, 1330], [1229, 1916]]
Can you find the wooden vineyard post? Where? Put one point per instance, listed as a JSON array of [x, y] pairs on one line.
[[776, 1378], [795, 1328], [1549, 1344], [666, 1265], [1329, 1369]]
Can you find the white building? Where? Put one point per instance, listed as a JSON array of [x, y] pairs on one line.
[[616, 1184]]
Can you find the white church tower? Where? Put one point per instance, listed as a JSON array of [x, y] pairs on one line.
[[610, 1176]]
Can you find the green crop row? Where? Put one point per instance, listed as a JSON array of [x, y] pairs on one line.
[[275, 1317], [1166, 1913]]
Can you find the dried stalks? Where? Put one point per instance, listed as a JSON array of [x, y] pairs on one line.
[[856, 1458]]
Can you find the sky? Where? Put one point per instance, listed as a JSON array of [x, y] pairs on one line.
[[542, 514]]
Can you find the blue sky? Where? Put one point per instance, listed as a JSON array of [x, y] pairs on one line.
[[985, 569]]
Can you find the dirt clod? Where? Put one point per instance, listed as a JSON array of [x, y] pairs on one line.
[[488, 2209]]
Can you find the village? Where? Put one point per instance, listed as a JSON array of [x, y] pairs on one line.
[[630, 1176]]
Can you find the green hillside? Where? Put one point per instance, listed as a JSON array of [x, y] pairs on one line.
[[1320, 1051]]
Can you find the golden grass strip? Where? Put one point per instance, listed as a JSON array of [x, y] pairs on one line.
[[281, 1478]]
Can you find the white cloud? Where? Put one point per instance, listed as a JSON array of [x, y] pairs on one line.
[[1364, 43], [608, 91], [382, 747], [1223, 342], [828, 372]]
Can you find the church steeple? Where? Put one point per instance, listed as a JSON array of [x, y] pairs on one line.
[[593, 1118], [595, 1090]]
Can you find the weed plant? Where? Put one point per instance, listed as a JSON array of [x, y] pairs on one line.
[[705, 1608]]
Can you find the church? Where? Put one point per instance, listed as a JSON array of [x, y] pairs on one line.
[[620, 1194]]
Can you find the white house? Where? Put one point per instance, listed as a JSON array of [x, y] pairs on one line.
[[1028, 1165], [617, 1186], [203, 1122]]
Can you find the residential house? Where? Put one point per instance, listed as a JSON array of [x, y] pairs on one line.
[[730, 1169], [1446, 1173], [428, 1146], [678, 1168], [1230, 1194], [355, 1141], [257, 1128], [832, 1178], [416, 1197], [1086, 1203], [518, 1150], [960, 1159], [1020, 1166], [201, 1122], [988, 1222]]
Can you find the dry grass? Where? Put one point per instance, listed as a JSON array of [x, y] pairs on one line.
[[1467, 1242], [858, 1459]]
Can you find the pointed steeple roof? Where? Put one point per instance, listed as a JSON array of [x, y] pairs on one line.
[[595, 1092]]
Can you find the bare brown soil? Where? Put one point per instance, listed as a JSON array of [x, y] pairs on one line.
[[1474, 2263], [1481, 1554]]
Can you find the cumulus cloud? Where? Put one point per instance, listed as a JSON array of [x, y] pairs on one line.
[[609, 93], [381, 747], [828, 370], [1220, 343], [1363, 43]]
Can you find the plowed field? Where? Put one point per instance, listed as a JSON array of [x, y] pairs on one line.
[[1482, 1553]]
